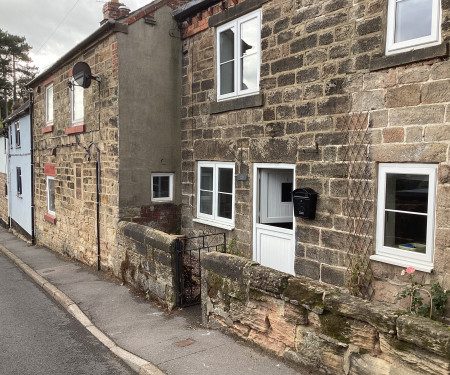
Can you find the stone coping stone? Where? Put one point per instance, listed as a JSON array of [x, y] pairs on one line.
[[380, 315], [264, 278], [307, 293], [425, 333], [225, 265], [148, 236]]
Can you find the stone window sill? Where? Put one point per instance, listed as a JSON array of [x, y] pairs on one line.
[[237, 103], [75, 129], [391, 61], [47, 129], [50, 218]]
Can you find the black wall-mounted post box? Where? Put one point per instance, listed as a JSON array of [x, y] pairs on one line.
[[305, 200]]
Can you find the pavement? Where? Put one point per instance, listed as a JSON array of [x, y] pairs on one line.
[[151, 340]]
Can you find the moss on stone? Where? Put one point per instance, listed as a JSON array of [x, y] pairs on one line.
[[335, 326]]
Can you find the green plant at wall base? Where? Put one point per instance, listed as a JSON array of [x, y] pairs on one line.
[[436, 297], [231, 248], [357, 278]]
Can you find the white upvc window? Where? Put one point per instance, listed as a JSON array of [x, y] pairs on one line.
[[215, 193], [49, 104], [162, 187], [51, 195], [77, 104], [412, 24], [19, 181], [17, 131], [406, 215], [239, 56]]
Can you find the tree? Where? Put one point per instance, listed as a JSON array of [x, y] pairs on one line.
[[15, 70]]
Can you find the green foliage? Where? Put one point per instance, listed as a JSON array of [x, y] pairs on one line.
[[231, 248], [15, 70], [357, 277], [432, 306]]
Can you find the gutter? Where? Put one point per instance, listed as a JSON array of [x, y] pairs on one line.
[[109, 25], [191, 8]]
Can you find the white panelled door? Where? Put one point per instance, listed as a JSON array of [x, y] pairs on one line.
[[273, 226]]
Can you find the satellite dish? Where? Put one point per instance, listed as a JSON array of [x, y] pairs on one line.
[[81, 73]]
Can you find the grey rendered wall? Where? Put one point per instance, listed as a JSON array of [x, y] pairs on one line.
[[149, 96]]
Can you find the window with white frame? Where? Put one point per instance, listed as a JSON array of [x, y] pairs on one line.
[[10, 136], [215, 192], [49, 104], [412, 24], [19, 180], [51, 195], [162, 187], [238, 56], [17, 131], [77, 105], [406, 215]]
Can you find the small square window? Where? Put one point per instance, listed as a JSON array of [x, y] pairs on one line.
[[238, 56], [406, 215], [162, 187], [51, 195], [215, 198], [49, 104], [412, 24]]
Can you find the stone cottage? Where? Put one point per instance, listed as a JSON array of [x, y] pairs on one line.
[[346, 98], [109, 151]]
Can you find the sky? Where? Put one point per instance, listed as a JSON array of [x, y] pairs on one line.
[[53, 27]]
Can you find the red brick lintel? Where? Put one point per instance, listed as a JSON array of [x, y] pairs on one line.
[[48, 81], [75, 129], [47, 129], [49, 169], [50, 218]]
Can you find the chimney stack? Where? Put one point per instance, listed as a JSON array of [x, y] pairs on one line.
[[115, 10]]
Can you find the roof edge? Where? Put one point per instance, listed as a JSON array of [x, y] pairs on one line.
[[110, 25], [24, 108], [192, 7]]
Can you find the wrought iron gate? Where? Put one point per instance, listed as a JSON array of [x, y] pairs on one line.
[[188, 264]]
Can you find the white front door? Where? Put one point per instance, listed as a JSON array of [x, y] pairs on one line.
[[273, 216]]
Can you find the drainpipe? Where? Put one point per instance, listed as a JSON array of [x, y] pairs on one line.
[[99, 190], [33, 239]]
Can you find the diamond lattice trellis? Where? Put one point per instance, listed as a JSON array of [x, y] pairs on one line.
[[359, 205]]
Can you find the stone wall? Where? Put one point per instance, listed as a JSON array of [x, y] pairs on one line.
[[3, 200], [316, 325], [73, 229], [145, 258], [322, 63]]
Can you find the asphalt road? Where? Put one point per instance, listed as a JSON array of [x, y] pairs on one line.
[[37, 336]]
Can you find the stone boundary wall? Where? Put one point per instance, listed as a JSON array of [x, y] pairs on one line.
[[317, 325], [146, 259]]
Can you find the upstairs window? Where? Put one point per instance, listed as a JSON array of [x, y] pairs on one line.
[[406, 215], [412, 24], [17, 131], [77, 104], [238, 56], [49, 104]]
